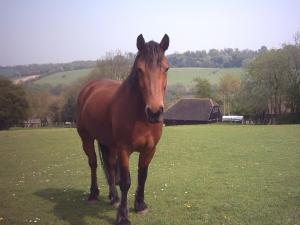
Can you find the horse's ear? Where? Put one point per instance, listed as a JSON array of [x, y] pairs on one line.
[[164, 44], [140, 42]]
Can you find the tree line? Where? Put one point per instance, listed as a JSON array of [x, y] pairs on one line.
[[272, 85], [214, 58]]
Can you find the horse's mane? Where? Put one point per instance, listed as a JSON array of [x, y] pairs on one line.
[[152, 55]]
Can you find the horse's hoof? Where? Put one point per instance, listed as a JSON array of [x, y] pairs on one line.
[[114, 201], [115, 204], [124, 222], [93, 198], [140, 207], [92, 201], [143, 212]]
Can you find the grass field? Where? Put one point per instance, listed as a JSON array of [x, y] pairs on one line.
[[207, 174], [186, 76], [183, 76], [63, 77]]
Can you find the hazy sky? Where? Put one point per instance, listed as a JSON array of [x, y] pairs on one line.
[[43, 31]]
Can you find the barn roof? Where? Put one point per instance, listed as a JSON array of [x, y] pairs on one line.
[[193, 109]]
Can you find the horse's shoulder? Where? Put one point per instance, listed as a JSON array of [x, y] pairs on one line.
[[102, 83], [96, 86]]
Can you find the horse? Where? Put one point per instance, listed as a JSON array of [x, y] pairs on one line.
[[125, 117]]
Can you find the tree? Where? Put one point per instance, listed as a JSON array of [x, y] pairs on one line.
[[274, 78], [114, 66], [297, 39], [175, 92], [13, 104], [39, 99], [55, 108], [202, 88], [229, 87], [227, 57], [69, 109], [268, 72], [250, 100], [292, 76], [263, 49]]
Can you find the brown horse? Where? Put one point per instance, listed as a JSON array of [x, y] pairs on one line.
[[125, 117]]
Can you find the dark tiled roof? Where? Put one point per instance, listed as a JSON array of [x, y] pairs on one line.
[[196, 109]]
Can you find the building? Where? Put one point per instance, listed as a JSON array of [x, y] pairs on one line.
[[33, 122], [193, 111]]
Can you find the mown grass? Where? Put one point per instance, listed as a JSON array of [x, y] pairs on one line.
[[63, 77], [186, 76], [208, 174], [183, 76]]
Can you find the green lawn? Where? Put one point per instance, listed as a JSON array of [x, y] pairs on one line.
[[186, 76], [63, 77], [206, 174], [183, 76]]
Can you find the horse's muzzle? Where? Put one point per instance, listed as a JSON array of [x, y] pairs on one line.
[[154, 117]]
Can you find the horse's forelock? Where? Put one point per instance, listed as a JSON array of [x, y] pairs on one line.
[[152, 55]]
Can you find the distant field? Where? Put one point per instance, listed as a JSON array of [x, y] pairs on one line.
[[200, 175], [186, 76], [63, 77], [183, 76]]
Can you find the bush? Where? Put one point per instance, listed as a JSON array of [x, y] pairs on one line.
[[13, 104]]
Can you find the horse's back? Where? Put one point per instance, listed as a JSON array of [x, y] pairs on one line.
[[93, 104]]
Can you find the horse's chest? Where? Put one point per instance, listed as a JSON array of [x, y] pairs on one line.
[[145, 136]]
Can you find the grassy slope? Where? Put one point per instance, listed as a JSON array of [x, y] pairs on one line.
[[183, 76], [210, 174], [63, 77], [187, 75]]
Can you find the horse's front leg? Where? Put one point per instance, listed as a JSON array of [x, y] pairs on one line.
[[144, 160], [125, 182]]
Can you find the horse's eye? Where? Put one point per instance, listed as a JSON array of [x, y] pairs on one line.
[[167, 69], [140, 71]]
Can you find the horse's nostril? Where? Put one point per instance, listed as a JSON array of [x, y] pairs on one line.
[[157, 113], [154, 116], [161, 109], [148, 110]]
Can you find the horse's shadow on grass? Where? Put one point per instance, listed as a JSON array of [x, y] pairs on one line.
[[71, 205]]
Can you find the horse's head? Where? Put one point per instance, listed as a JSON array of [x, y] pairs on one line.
[[152, 67]]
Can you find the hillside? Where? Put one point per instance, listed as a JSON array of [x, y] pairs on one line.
[[20, 71], [186, 76], [213, 58], [63, 77], [183, 76]]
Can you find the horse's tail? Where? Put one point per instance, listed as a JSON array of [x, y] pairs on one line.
[[104, 159]]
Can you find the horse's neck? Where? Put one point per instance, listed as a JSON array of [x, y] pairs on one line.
[[133, 100]]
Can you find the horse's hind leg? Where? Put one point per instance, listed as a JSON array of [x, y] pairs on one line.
[[110, 168], [125, 182], [89, 149]]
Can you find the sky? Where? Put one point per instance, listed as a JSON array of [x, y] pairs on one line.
[[54, 31]]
